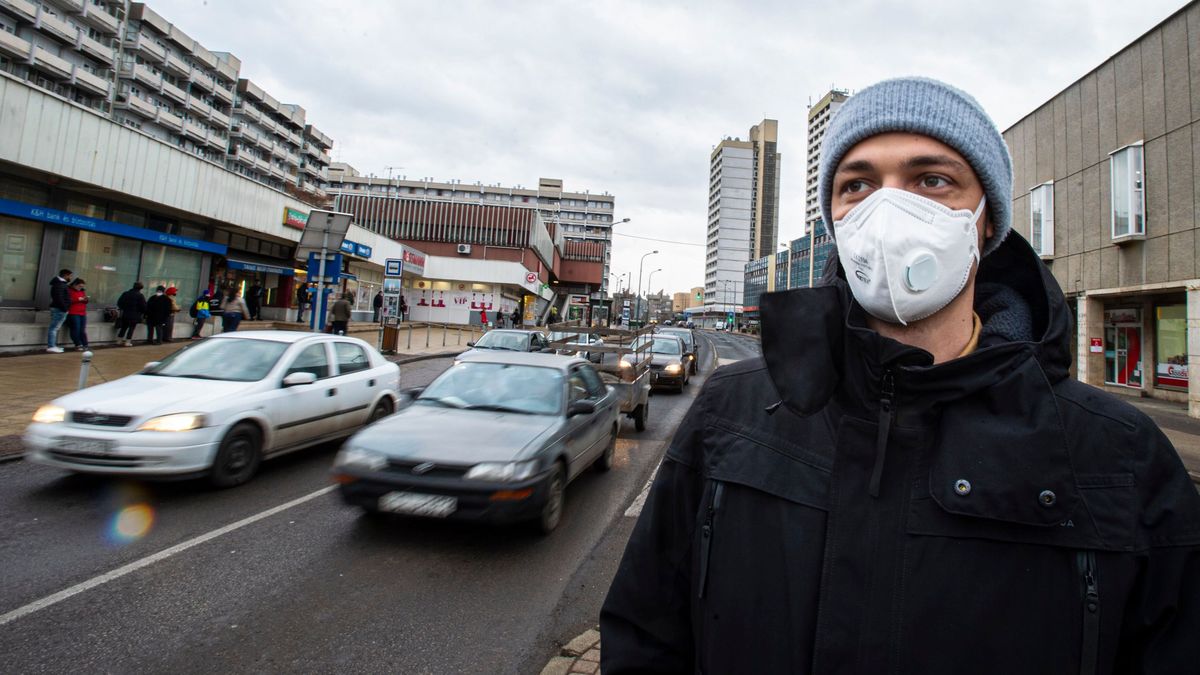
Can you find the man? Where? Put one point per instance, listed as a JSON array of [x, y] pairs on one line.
[[200, 312], [910, 480], [169, 332], [253, 300], [340, 314], [158, 313], [516, 317], [377, 305], [60, 304], [303, 293], [133, 308]]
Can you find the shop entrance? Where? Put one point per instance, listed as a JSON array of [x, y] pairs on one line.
[[1123, 348]]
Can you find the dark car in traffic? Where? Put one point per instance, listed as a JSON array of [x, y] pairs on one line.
[[690, 347], [668, 361], [496, 437]]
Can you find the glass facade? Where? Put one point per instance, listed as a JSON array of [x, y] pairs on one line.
[[169, 266], [109, 264], [20, 252], [1171, 346]]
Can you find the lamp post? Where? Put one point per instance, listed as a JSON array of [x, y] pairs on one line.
[[649, 281], [788, 283], [638, 313]]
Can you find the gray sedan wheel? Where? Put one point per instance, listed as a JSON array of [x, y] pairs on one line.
[[555, 497], [605, 461]]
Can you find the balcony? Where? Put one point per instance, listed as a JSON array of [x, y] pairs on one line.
[[278, 172], [202, 79], [292, 160], [217, 141], [195, 131], [72, 6], [311, 169], [99, 19], [50, 64], [262, 165], [325, 158], [223, 94], [174, 93], [170, 120], [55, 27], [220, 119], [268, 124], [89, 82], [95, 49], [176, 66], [247, 111], [25, 10], [143, 45], [14, 46], [311, 150], [138, 105], [142, 74], [241, 155], [278, 150], [200, 107]]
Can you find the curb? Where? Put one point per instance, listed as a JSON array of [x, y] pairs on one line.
[[581, 655]]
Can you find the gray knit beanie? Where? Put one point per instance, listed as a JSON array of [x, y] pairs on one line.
[[930, 108]]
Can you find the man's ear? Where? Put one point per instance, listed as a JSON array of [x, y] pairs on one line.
[[989, 230]]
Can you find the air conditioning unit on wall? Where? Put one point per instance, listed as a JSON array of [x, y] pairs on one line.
[[464, 249]]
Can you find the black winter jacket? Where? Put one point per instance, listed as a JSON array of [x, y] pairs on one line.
[[132, 305], [59, 299], [843, 506], [158, 309]]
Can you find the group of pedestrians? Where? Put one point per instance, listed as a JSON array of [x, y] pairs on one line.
[[158, 313]]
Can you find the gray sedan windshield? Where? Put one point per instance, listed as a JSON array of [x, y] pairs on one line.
[[499, 387], [504, 340], [237, 359]]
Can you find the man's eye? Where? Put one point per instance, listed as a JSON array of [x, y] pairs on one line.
[[854, 186], [934, 182]]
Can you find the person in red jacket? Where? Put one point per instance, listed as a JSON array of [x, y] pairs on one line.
[[77, 313]]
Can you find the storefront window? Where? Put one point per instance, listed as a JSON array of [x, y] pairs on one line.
[[167, 266], [23, 191], [109, 264], [1171, 348], [1123, 347], [20, 251], [85, 207]]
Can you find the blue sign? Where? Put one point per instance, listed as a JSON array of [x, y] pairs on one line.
[[333, 267], [355, 248], [393, 267], [256, 267], [16, 209], [347, 246]]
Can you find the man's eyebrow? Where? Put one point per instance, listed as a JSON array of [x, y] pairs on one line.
[[857, 166], [927, 161]]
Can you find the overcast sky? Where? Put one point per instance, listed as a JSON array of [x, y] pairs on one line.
[[630, 97]]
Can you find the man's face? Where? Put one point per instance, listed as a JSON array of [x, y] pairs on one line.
[[910, 162]]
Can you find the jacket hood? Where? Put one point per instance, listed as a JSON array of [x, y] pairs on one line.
[[819, 352]]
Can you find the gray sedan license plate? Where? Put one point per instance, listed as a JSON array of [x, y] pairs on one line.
[[85, 445], [415, 504]]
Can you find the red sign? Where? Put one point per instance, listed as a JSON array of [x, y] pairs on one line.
[[294, 218], [1097, 346], [531, 278], [414, 258]]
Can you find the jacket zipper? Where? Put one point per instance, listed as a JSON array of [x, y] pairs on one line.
[[887, 390], [1085, 561], [706, 533]]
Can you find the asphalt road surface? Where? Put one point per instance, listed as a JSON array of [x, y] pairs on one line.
[[278, 575]]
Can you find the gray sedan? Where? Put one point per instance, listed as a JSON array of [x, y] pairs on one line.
[[496, 437]]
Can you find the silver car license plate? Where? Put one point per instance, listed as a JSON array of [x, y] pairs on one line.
[[91, 446], [415, 504]]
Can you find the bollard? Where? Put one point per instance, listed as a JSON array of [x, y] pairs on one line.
[[444, 335], [83, 369], [460, 335], [427, 330], [409, 337]]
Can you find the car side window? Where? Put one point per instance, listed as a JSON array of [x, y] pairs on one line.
[[312, 360], [578, 386], [351, 358], [592, 381]]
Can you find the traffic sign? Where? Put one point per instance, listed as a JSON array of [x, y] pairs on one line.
[[393, 267], [531, 278]]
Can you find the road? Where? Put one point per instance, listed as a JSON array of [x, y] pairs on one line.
[[278, 575]]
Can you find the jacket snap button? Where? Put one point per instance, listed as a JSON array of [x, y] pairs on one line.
[[1047, 498], [962, 487]]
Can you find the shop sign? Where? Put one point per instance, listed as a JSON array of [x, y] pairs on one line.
[[1097, 346], [294, 218], [1115, 316], [578, 299], [1173, 374], [414, 261], [356, 249], [17, 209]]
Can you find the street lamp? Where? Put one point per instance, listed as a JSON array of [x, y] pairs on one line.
[[638, 313], [788, 283], [649, 281]]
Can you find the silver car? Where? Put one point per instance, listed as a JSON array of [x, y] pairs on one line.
[[496, 437]]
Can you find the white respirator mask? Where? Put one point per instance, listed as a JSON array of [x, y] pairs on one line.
[[906, 257]]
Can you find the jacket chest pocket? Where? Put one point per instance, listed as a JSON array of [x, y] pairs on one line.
[[758, 551]]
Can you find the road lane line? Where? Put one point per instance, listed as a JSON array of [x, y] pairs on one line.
[[635, 509], [153, 558]]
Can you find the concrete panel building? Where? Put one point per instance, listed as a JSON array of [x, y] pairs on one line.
[[1105, 189]]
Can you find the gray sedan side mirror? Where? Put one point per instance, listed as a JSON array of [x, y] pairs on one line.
[[150, 365], [297, 379], [581, 408], [471, 343], [413, 392]]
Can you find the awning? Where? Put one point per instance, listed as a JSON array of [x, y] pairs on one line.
[[257, 266]]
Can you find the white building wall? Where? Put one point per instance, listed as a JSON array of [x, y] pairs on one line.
[[735, 192]]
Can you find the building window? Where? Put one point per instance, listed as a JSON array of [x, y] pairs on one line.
[[1171, 353], [1128, 193], [1041, 219]]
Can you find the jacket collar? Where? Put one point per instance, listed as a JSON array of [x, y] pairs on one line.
[[990, 406]]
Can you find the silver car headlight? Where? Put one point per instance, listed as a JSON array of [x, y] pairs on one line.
[[176, 422], [49, 414], [360, 458], [504, 472]]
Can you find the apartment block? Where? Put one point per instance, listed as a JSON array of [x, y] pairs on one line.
[[819, 116]]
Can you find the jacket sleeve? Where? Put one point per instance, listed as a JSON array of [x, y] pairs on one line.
[[1161, 627], [645, 624]]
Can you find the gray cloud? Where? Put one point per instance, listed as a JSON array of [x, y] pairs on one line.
[[629, 97]]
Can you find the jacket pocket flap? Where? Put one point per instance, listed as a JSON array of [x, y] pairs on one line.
[[771, 465]]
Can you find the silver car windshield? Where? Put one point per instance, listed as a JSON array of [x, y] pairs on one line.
[[235, 359], [504, 340], [499, 387], [578, 338], [682, 335], [665, 346]]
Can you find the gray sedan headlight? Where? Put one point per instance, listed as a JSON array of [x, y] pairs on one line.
[[504, 472], [360, 458]]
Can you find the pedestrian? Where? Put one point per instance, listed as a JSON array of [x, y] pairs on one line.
[[909, 479], [303, 293], [169, 333], [77, 313], [483, 317], [340, 314], [132, 305], [516, 317], [158, 313], [60, 304], [254, 299], [235, 311], [377, 305], [403, 309], [200, 311]]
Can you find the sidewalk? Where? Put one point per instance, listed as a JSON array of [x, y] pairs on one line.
[[32, 380]]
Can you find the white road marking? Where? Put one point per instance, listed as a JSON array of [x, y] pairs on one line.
[[153, 558], [635, 509], [725, 362]]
